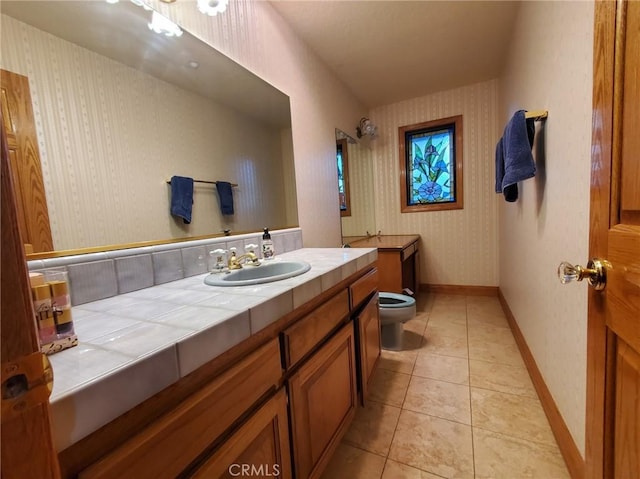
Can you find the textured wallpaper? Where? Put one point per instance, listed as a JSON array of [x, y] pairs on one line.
[[550, 67], [110, 136], [458, 247]]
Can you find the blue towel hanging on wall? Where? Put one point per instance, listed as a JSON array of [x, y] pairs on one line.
[[225, 192], [514, 160], [182, 197]]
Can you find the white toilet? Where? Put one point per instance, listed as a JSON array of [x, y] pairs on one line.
[[395, 310]]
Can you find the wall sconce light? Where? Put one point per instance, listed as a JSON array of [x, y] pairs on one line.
[[366, 128], [212, 7]]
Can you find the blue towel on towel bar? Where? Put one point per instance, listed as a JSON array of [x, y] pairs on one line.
[[225, 193], [182, 197], [514, 161]]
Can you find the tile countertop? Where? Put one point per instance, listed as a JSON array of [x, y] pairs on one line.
[[134, 345]]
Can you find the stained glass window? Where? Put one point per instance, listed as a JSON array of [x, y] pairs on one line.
[[343, 177], [432, 157]]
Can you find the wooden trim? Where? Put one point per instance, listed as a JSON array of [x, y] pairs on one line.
[[139, 244], [458, 204], [460, 289], [600, 218], [566, 444]]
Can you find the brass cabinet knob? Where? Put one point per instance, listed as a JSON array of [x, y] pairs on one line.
[[595, 273]]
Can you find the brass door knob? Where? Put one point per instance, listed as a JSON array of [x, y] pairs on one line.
[[595, 273]]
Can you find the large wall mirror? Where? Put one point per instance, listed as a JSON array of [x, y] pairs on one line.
[[119, 109], [355, 187]]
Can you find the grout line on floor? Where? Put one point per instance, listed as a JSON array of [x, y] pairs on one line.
[[473, 448]]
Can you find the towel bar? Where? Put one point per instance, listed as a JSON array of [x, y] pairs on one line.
[[204, 181], [536, 114]]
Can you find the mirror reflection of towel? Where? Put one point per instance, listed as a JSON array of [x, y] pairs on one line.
[[182, 197], [226, 197], [514, 161]]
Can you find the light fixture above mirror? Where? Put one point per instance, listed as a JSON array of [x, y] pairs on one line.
[[366, 128]]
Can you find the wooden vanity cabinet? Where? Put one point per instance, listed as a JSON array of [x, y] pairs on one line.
[[398, 261], [168, 446], [323, 400], [259, 448], [368, 328]]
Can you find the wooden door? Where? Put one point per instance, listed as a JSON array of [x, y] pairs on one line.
[[613, 381], [368, 322], [24, 159], [27, 446], [259, 448], [323, 400]]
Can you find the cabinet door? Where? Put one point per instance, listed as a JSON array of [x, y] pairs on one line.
[[259, 448], [369, 338], [323, 399]]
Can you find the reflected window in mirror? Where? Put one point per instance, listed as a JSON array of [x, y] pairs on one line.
[[431, 165], [342, 157]]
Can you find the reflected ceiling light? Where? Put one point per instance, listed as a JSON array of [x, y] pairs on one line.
[[161, 24], [140, 3], [212, 7], [366, 128], [112, 1]]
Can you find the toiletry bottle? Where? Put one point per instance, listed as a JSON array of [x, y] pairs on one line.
[[61, 305], [44, 314], [267, 245]]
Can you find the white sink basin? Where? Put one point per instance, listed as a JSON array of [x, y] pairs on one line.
[[265, 273]]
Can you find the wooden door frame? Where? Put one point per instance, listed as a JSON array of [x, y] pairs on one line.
[[605, 159], [26, 444]]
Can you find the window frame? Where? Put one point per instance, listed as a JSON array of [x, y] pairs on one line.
[[404, 132]]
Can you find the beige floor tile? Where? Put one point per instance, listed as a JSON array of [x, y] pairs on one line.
[[411, 341], [450, 299], [432, 444], [444, 368], [389, 387], [400, 361], [449, 314], [501, 377], [498, 456], [349, 462], [516, 416], [483, 333], [424, 302], [373, 428], [501, 353], [446, 328], [396, 470], [489, 320], [486, 305], [439, 398], [435, 343], [417, 324]]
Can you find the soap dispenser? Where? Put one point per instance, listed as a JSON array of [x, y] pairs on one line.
[[268, 251]]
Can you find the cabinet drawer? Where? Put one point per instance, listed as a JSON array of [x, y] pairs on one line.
[[302, 337], [362, 288], [409, 250], [166, 447]]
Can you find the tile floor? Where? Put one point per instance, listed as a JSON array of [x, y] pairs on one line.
[[456, 403]]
